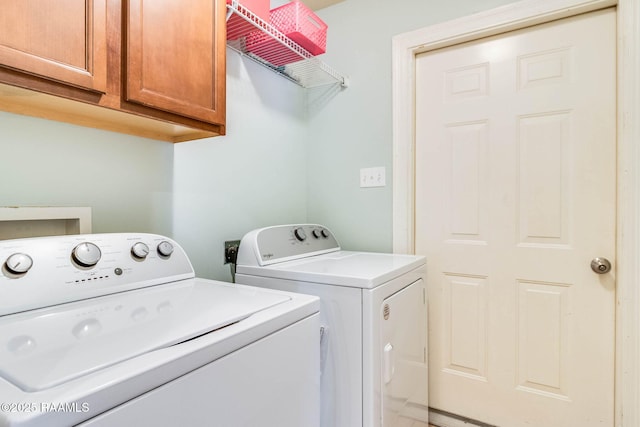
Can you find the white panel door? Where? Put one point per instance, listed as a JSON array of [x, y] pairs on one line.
[[515, 195]]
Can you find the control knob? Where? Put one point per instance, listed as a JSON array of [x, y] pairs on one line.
[[140, 250], [165, 248], [320, 232], [86, 254], [300, 235], [18, 263]]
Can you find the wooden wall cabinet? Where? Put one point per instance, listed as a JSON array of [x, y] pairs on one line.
[[171, 60], [155, 69], [64, 40]]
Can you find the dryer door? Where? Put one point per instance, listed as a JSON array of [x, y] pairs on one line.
[[403, 342]]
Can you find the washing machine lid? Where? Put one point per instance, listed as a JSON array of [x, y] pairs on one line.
[[46, 347], [341, 268]]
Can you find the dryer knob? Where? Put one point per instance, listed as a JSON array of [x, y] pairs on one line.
[[317, 233], [165, 248], [86, 254], [18, 263], [300, 234]]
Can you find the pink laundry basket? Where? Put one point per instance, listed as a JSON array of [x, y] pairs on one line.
[[301, 25], [238, 27]]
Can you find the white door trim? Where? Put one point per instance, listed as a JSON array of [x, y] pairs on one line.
[[507, 18]]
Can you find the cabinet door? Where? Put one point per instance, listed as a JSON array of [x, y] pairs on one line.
[[175, 57], [61, 40]]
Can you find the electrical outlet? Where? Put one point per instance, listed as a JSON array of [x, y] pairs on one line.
[[372, 177], [231, 251]]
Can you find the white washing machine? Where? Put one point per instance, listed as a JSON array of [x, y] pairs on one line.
[[115, 330], [373, 318]]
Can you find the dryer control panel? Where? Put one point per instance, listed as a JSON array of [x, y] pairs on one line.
[[281, 243], [44, 271]]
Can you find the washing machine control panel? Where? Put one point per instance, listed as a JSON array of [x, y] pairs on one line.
[[44, 271], [285, 243]]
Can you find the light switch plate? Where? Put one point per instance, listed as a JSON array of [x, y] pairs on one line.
[[372, 177]]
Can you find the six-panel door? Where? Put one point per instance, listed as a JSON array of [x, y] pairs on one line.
[[515, 195]]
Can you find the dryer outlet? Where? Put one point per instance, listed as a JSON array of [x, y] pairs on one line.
[[231, 251]]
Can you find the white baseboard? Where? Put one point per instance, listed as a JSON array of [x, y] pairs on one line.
[[442, 419], [416, 412]]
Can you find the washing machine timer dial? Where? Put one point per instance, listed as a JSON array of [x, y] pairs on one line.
[[18, 263]]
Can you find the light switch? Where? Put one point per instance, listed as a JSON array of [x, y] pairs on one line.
[[372, 177]]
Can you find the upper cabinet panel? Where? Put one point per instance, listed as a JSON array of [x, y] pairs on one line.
[[153, 68], [60, 40], [175, 57]]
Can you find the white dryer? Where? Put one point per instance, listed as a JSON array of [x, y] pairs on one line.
[[115, 330], [373, 318]]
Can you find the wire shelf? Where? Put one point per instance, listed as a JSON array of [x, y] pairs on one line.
[[306, 70]]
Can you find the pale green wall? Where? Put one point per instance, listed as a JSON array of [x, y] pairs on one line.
[[354, 130], [127, 181], [279, 163], [253, 177]]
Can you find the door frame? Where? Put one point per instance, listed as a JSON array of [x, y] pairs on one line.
[[511, 17]]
